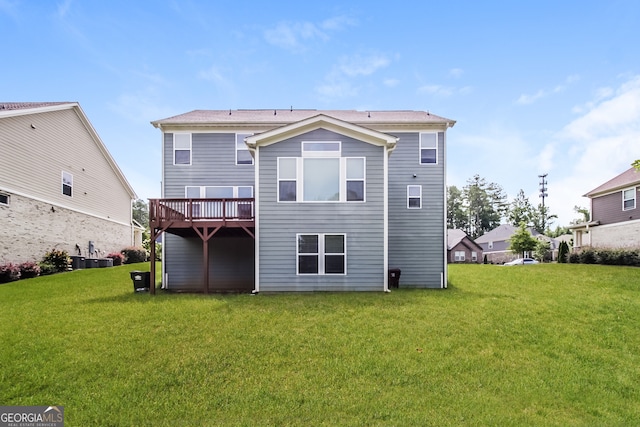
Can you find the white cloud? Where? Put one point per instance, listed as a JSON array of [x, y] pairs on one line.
[[63, 8], [291, 35], [358, 65], [338, 23], [456, 73], [391, 82], [342, 80], [527, 99], [439, 90]]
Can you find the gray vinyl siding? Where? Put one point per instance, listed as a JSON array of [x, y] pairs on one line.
[[231, 259], [231, 263], [608, 208], [213, 163], [363, 223], [416, 236], [32, 162]]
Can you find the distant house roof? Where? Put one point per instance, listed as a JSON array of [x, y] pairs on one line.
[[455, 236], [501, 233], [627, 178], [286, 116]]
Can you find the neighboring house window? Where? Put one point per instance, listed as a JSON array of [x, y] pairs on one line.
[[321, 175], [628, 199], [67, 184], [321, 254], [428, 148], [243, 156], [4, 199], [459, 256], [414, 196], [474, 256], [181, 148], [490, 245]]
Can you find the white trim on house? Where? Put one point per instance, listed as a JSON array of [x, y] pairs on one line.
[[256, 222]]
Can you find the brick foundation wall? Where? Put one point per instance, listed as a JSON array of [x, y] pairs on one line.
[[29, 228], [622, 235]]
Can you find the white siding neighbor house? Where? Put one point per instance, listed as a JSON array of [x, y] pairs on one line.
[[59, 186], [302, 200]]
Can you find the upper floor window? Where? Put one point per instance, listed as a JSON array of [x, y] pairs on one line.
[[67, 184], [321, 148], [181, 148], [243, 156], [414, 196], [628, 199], [4, 199], [428, 148], [321, 179]]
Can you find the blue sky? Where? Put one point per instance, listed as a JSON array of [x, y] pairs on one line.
[[535, 86]]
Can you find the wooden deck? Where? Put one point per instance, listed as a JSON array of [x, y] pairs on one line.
[[198, 217]]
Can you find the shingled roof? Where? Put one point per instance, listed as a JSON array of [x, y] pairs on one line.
[[286, 116], [626, 179], [7, 106]]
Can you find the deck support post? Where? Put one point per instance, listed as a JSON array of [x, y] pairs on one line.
[[205, 234]]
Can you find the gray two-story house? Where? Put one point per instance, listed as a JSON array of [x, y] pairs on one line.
[[301, 200]]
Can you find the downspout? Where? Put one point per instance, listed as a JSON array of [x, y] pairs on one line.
[[256, 209]]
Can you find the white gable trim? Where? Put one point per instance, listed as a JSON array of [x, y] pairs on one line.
[[325, 122]]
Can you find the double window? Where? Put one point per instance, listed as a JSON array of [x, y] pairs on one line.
[[428, 148], [628, 199], [321, 175], [321, 254], [243, 156], [459, 256], [67, 184], [181, 148]]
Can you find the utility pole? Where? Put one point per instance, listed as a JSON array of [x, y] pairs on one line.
[[543, 194]]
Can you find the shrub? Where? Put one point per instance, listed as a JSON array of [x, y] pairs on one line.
[[9, 273], [29, 269], [47, 268], [118, 258], [588, 256], [563, 252], [58, 258], [574, 258], [133, 255]]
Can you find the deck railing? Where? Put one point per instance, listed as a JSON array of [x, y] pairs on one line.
[[200, 209]]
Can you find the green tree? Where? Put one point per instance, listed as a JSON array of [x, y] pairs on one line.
[[563, 252], [586, 214], [541, 219], [141, 213], [636, 164], [520, 210], [486, 205], [456, 212], [522, 241], [542, 250]]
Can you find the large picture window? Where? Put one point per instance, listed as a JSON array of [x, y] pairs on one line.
[[629, 199], [321, 254], [243, 156], [321, 179], [428, 148], [181, 148], [67, 184]]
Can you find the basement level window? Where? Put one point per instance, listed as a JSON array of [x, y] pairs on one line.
[[4, 199]]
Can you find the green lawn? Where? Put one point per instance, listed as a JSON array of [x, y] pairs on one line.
[[530, 345]]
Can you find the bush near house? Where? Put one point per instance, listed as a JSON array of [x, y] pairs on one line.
[[626, 257], [9, 273], [29, 269], [59, 259], [118, 258], [133, 255]]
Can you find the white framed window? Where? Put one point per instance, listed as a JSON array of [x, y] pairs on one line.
[[181, 148], [458, 256], [287, 179], [67, 184], [321, 254], [490, 245], [629, 199], [243, 156], [321, 179], [321, 148], [5, 199], [428, 148], [474, 256], [414, 196]]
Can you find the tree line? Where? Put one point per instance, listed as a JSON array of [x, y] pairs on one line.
[[481, 206]]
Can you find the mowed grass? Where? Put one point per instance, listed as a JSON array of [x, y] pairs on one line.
[[548, 345]]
